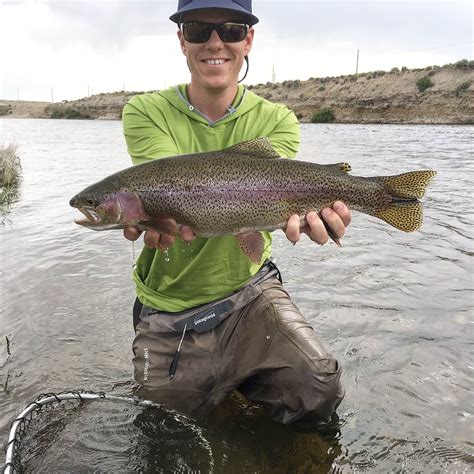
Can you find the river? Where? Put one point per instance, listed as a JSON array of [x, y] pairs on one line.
[[396, 310]]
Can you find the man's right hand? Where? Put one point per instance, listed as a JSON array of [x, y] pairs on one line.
[[155, 240]]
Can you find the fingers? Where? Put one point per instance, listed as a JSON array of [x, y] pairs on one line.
[[131, 233], [316, 230], [186, 233], [293, 229], [343, 212], [153, 239], [336, 219]]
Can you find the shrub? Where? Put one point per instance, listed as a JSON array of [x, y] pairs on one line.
[[67, 113], [424, 83], [404, 69], [462, 88], [321, 88], [10, 166], [394, 70], [462, 64], [323, 116], [5, 109], [10, 176], [291, 84]]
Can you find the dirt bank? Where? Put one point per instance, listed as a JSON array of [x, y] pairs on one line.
[[444, 96]]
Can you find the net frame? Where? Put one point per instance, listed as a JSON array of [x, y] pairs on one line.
[[19, 424]]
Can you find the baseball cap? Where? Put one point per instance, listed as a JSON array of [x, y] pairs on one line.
[[239, 6]]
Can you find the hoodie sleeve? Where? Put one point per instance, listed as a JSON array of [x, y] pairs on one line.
[[145, 131]]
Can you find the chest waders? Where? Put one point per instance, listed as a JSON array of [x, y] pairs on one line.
[[205, 317]]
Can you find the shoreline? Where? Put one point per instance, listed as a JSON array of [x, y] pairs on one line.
[[435, 95]]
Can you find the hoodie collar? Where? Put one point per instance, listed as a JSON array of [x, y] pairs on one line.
[[185, 106]]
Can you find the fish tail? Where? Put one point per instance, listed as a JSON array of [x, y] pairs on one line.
[[410, 185], [406, 211], [406, 216]]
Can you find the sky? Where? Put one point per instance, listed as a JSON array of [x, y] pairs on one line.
[[65, 50]]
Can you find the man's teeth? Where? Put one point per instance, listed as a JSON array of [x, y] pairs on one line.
[[215, 61]]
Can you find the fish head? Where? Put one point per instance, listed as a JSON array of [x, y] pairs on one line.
[[108, 209]]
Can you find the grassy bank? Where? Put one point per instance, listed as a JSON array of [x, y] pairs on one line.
[[10, 176]]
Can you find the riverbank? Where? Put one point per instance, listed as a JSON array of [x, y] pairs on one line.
[[432, 95]]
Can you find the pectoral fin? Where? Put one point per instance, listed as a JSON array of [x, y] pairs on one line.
[[252, 245]]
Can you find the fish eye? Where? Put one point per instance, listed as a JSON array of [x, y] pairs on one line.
[[90, 201]]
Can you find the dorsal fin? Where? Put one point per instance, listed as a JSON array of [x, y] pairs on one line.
[[258, 147]]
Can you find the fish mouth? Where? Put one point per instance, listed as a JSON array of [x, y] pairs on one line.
[[92, 219], [95, 222]]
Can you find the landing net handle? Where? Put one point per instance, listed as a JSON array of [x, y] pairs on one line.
[[44, 399]]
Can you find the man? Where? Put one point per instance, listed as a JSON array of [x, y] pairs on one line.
[[208, 320]]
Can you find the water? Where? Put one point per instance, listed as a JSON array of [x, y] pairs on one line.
[[396, 310]]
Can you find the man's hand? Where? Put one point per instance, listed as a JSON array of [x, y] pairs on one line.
[[155, 240], [337, 218]]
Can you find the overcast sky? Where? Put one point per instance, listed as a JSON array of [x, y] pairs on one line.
[[82, 47]]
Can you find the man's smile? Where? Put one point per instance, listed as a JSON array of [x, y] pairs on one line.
[[214, 62]]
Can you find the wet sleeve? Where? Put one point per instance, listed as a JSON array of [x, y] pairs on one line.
[[147, 136], [285, 136]]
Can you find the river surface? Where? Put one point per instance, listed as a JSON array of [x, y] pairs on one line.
[[396, 310]]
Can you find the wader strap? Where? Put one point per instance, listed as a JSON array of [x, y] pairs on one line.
[[206, 317]]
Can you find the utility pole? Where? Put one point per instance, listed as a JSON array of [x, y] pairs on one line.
[[357, 62], [273, 74], [52, 97]]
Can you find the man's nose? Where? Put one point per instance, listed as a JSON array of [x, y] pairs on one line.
[[215, 40]]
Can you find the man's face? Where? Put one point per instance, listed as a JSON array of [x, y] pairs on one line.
[[215, 64]]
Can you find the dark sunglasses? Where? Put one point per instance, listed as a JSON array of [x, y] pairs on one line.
[[200, 32]]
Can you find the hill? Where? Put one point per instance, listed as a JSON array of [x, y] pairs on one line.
[[432, 95]]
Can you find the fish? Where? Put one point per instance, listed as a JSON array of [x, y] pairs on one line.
[[242, 190]]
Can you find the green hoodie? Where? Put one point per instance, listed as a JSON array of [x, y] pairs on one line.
[[163, 124]]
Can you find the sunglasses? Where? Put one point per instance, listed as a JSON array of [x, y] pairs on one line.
[[200, 32]]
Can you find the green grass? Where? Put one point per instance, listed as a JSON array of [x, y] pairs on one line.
[[10, 176], [323, 116]]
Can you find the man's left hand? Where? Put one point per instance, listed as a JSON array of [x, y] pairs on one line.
[[337, 219]]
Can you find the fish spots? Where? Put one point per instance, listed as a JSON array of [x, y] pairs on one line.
[[248, 188]]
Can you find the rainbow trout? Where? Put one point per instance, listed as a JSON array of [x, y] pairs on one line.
[[242, 190]]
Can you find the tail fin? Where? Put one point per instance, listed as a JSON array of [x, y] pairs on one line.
[[405, 212], [410, 185]]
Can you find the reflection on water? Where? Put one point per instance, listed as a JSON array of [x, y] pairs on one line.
[[396, 309]]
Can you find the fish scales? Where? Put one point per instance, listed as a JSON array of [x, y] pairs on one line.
[[245, 188], [218, 194]]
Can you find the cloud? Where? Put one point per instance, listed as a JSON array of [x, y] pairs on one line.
[[80, 45]]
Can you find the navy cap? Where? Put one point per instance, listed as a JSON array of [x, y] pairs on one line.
[[239, 6]]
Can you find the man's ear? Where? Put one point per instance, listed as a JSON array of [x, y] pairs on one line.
[[182, 43], [249, 40]]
